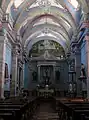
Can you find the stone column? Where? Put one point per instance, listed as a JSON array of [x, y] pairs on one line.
[[20, 74], [87, 52], [14, 71], [85, 25], [2, 63], [53, 81], [38, 73], [78, 69], [22, 77]]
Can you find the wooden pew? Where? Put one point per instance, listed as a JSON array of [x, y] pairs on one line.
[[17, 108], [78, 110], [13, 110], [73, 109]]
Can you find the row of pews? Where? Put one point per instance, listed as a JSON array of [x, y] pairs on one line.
[[72, 109], [17, 108]]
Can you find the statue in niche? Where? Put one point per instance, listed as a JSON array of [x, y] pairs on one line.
[[6, 82], [6, 71], [83, 73], [83, 78], [57, 75], [46, 44], [34, 76], [46, 76]]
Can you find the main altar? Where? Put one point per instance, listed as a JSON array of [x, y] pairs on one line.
[[45, 92]]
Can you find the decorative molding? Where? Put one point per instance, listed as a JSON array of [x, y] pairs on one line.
[[85, 24], [15, 51], [10, 37], [87, 37], [1, 13]]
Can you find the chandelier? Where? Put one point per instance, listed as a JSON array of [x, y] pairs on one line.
[[44, 4]]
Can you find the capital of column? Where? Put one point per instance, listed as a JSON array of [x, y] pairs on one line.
[[15, 51], [5, 17], [74, 38], [24, 52], [85, 24], [38, 65], [18, 39], [77, 50], [87, 35], [86, 16]]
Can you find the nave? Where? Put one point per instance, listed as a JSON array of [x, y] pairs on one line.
[[44, 50], [38, 108], [46, 111]]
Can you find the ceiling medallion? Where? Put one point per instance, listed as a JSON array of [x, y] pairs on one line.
[[44, 4]]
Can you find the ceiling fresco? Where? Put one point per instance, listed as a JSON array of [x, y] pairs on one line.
[[46, 45], [37, 19]]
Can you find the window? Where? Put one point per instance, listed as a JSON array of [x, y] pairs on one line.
[[17, 3], [74, 3]]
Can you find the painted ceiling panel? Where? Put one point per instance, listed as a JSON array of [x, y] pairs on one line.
[[33, 41], [31, 16]]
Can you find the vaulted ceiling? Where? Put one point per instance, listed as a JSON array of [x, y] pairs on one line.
[[36, 20]]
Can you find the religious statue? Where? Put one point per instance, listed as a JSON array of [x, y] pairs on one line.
[[6, 82], [83, 73], [46, 77], [57, 75], [70, 87], [34, 75], [83, 78], [6, 71]]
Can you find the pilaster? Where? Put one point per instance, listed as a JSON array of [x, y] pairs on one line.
[[78, 68], [14, 86], [2, 63], [38, 73], [87, 54], [54, 80]]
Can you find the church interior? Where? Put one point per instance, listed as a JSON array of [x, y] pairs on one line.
[[44, 59]]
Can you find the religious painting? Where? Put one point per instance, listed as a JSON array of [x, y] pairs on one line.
[[51, 47]]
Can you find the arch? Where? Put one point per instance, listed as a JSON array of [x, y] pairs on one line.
[[36, 12], [60, 22], [26, 3], [51, 27], [62, 40]]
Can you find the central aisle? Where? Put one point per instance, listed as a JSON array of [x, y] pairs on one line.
[[45, 112]]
